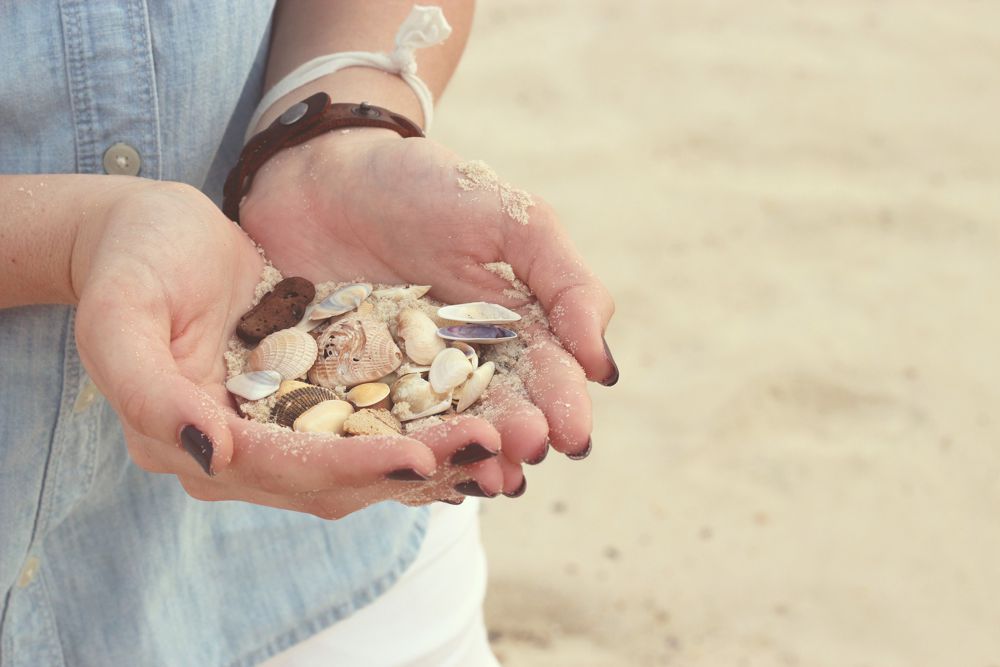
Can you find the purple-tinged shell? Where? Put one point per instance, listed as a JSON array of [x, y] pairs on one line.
[[485, 334]]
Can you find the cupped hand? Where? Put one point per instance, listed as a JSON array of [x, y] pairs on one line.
[[162, 278], [367, 204]]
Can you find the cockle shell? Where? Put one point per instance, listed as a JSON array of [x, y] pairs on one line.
[[401, 293], [468, 351], [354, 351], [290, 352], [475, 386], [291, 405], [343, 300], [369, 394], [450, 369], [485, 334], [419, 335], [413, 397], [479, 312], [372, 422], [325, 417], [255, 385], [290, 385]]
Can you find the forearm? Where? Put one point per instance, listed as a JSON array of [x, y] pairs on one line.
[[306, 29], [41, 218]]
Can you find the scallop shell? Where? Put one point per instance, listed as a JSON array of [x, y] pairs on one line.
[[254, 386], [485, 334], [475, 386], [468, 351], [354, 351], [450, 368], [373, 422], [343, 300], [290, 352], [419, 335], [325, 417], [291, 405], [479, 312], [401, 292], [413, 397], [369, 394]]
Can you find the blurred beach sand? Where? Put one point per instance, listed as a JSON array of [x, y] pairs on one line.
[[797, 208]]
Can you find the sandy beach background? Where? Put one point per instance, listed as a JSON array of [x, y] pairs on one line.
[[797, 208]]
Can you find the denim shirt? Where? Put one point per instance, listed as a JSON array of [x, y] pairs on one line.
[[102, 563]]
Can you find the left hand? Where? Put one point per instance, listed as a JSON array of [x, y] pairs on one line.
[[369, 205]]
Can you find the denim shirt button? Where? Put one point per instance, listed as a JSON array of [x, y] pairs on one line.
[[28, 572], [122, 160]]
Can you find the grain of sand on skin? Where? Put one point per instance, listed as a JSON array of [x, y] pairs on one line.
[[477, 175]]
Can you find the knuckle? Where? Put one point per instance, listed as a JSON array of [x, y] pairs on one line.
[[199, 489]]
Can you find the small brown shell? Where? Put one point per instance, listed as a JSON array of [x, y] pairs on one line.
[[291, 405], [291, 352], [369, 394], [355, 351]]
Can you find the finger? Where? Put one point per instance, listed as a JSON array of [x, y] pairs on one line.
[[522, 426], [123, 334], [556, 384], [282, 461], [578, 306], [514, 481], [468, 448]]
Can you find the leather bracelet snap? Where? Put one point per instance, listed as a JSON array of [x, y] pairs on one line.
[[311, 117]]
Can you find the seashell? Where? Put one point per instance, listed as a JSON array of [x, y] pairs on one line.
[[419, 335], [279, 309], [343, 300], [325, 417], [307, 323], [291, 352], [468, 351], [479, 312], [486, 334], [372, 422], [405, 412], [450, 369], [369, 394], [412, 395], [291, 385], [291, 405], [408, 367], [354, 351], [255, 385], [475, 386], [401, 292]]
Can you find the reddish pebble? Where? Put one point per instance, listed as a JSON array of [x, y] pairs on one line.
[[281, 308]]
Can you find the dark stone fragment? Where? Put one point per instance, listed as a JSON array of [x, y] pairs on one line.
[[281, 308]]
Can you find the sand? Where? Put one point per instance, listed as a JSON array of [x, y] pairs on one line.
[[796, 207]]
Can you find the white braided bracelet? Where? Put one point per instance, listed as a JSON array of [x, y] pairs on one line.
[[425, 26]]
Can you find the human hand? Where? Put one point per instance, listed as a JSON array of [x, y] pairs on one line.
[[162, 278], [367, 204]]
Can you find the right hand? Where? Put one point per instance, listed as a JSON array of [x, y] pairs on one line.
[[162, 278]]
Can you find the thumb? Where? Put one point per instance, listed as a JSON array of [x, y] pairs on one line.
[[126, 349]]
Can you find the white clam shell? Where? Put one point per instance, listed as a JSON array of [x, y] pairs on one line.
[[407, 415], [368, 394], [343, 300], [255, 385], [419, 335], [307, 323], [468, 351], [413, 397], [401, 293], [450, 368], [325, 417], [478, 312], [290, 352], [475, 386]]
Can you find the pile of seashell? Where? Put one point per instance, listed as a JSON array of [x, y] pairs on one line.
[[335, 366]]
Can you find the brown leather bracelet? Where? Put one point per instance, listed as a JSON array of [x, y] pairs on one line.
[[311, 117]]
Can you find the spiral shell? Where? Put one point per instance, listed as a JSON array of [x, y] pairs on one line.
[[290, 352], [292, 404], [354, 351], [419, 335]]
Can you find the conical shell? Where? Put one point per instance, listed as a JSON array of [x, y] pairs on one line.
[[343, 300], [290, 352], [475, 386], [369, 394], [291, 405], [372, 422], [479, 312], [450, 368], [354, 351], [401, 293], [325, 417], [419, 335]]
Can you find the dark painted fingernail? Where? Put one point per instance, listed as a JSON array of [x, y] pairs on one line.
[[612, 379], [407, 475], [198, 446], [541, 457], [472, 488], [449, 501], [585, 453], [471, 453], [519, 491]]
